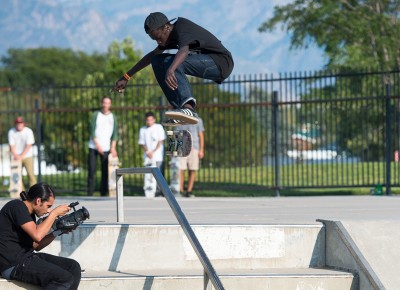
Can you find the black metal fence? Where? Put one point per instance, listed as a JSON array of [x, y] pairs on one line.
[[295, 130]]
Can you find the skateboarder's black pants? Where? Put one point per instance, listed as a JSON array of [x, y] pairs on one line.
[[93, 153]]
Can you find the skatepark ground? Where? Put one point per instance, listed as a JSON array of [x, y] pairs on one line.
[[257, 210], [371, 221]]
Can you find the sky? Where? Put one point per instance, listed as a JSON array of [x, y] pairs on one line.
[[91, 25]]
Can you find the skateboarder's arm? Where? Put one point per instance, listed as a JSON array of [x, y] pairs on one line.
[[145, 61], [141, 64]]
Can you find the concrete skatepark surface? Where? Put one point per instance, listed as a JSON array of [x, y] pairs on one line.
[[371, 221], [268, 210]]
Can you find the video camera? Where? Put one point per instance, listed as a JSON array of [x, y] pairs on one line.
[[70, 221]]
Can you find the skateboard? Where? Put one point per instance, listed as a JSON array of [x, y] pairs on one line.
[[174, 184], [15, 178], [113, 164], [179, 143], [150, 183]]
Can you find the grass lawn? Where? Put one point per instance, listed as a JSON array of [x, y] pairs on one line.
[[320, 179]]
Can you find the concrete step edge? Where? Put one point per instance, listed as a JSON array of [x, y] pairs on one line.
[[242, 273]]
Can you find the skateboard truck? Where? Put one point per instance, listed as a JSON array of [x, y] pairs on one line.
[[179, 143]]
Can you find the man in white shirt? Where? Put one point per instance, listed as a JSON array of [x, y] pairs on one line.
[[21, 139], [151, 138], [103, 141]]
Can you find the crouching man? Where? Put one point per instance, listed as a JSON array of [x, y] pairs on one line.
[[21, 239]]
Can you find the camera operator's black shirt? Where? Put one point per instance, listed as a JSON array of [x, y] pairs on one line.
[[186, 32], [15, 243]]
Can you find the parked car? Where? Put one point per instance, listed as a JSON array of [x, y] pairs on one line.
[[329, 152]]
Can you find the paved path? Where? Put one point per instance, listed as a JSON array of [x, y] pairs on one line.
[[268, 210]]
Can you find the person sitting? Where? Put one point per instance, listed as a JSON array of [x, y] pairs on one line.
[[21, 239]]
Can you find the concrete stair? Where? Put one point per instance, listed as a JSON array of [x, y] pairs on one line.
[[126, 256]]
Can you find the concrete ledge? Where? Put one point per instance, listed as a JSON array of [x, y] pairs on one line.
[[132, 248], [283, 279]]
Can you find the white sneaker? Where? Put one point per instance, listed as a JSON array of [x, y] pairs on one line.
[[184, 115]]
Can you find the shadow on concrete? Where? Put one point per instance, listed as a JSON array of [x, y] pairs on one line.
[[68, 246], [318, 255], [118, 247], [148, 284]]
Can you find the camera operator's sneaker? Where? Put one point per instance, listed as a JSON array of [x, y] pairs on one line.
[[185, 115], [172, 123]]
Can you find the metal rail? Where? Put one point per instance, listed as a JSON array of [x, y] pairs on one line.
[[209, 271]]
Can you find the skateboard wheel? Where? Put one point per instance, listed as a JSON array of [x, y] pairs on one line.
[[170, 133], [175, 153]]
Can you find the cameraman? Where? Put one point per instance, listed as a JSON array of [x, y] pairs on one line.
[[21, 237]]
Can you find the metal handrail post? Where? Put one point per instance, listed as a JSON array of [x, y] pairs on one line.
[[207, 284], [120, 197]]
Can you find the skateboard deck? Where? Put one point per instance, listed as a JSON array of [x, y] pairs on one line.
[[16, 186], [174, 184], [179, 143], [113, 164], [150, 183]]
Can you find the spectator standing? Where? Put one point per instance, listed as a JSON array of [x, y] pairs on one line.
[[192, 161], [21, 139], [103, 141], [151, 138]]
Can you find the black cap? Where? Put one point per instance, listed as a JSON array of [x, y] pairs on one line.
[[155, 20]]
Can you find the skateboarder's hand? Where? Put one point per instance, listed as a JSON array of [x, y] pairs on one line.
[[120, 85], [171, 80]]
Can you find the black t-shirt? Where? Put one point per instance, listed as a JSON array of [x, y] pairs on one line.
[[185, 32], [15, 243]]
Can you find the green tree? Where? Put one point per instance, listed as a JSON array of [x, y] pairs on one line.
[[353, 34], [140, 94], [38, 67]]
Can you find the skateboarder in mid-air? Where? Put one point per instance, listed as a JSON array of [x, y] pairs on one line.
[[200, 54]]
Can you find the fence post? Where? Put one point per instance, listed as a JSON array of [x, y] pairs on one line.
[[276, 140], [388, 139], [38, 139], [162, 111]]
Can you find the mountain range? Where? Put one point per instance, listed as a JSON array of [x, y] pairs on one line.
[[91, 25]]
